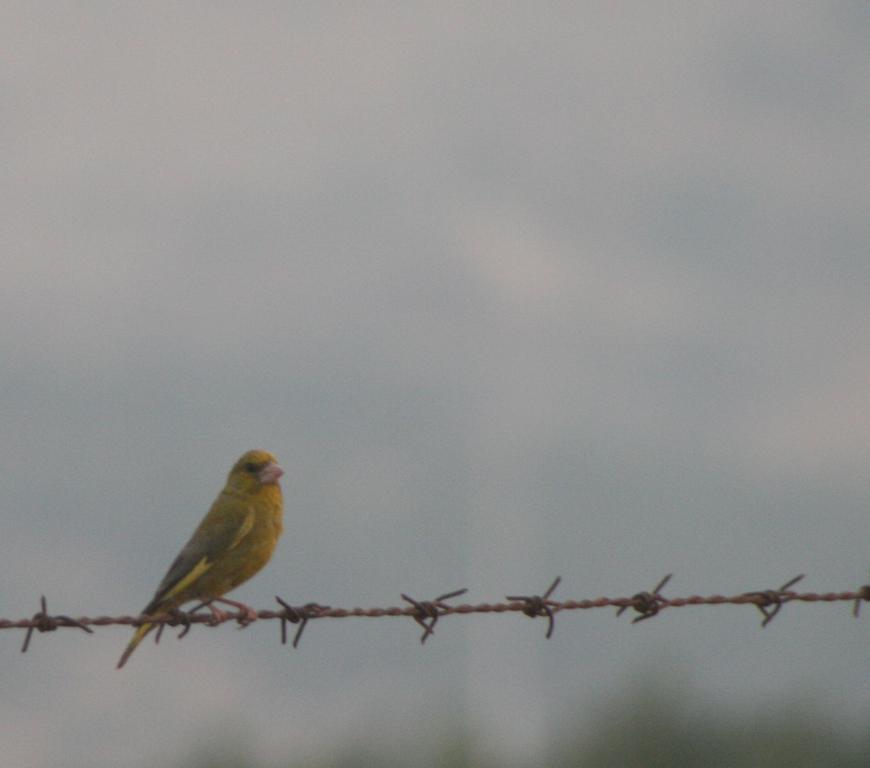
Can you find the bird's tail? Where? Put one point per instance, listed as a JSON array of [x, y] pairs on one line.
[[138, 637]]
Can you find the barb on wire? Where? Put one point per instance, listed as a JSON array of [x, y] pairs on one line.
[[863, 594], [431, 610], [770, 601], [540, 605], [647, 604], [215, 616], [42, 622], [299, 616], [175, 617]]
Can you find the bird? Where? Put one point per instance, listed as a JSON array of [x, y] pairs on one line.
[[234, 541]]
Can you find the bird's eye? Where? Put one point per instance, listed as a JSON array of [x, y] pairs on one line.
[[251, 467]]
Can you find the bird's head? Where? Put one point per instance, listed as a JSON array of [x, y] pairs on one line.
[[254, 470]]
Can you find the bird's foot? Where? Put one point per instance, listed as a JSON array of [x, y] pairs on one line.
[[248, 614], [217, 614]]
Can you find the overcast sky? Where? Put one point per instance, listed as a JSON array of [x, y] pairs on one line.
[[512, 290]]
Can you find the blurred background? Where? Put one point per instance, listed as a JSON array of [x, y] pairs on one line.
[[512, 290]]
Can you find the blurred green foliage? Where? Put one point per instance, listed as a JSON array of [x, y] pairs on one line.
[[653, 725]]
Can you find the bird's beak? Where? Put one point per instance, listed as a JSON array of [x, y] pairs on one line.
[[271, 473]]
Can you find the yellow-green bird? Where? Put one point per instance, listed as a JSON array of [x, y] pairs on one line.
[[234, 541]]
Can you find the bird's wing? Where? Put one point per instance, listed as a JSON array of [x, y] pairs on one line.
[[222, 529]]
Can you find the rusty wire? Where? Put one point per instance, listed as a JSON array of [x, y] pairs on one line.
[[427, 612]]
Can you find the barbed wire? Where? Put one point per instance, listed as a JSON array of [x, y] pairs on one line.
[[426, 613]]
